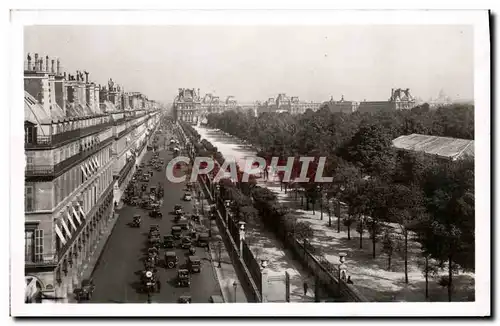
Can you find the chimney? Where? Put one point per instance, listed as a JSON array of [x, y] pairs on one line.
[[47, 63], [64, 75], [52, 66], [41, 64], [86, 77], [58, 66], [77, 75], [36, 61], [29, 62]]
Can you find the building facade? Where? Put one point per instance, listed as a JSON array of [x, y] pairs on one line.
[[284, 103], [188, 105], [78, 155], [341, 106], [401, 99]]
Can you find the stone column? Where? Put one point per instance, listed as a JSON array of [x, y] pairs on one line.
[[265, 275]]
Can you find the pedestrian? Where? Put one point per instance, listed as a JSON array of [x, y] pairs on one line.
[[305, 288], [349, 281]]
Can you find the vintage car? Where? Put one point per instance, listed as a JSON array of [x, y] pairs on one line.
[[154, 227], [136, 222], [150, 282], [183, 223], [194, 264], [216, 299], [203, 239], [171, 259], [186, 242], [187, 196], [183, 278], [85, 291], [178, 209], [154, 239], [156, 213], [176, 232], [168, 241], [185, 299], [195, 218]]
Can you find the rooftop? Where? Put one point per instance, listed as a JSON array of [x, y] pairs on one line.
[[445, 147]]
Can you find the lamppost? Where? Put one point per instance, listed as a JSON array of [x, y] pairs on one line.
[[342, 188], [320, 190], [201, 199], [219, 243], [242, 236], [217, 191], [342, 267], [235, 285], [264, 273], [227, 203]]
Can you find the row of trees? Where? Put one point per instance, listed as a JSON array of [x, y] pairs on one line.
[[429, 199]]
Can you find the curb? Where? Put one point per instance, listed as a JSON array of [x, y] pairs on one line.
[[215, 272]]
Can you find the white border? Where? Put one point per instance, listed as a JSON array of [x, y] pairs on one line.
[[291, 17]]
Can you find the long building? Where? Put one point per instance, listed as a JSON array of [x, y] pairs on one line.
[[284, 103], [400, 99], [81, 144], [190, 106]]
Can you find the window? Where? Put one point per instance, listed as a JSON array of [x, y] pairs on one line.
[[29, 134], [28, 198], [38, 245], [29, 245]]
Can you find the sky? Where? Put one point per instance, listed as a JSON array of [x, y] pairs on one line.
[[257, 62]]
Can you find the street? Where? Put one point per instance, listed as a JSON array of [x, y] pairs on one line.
[[117, 275]]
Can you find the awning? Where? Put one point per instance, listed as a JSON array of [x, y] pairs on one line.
[[92, 164], [65, 227], [81, 210], [76, 215], [84, 172], [60, 235], [89, 170], [71, 220]]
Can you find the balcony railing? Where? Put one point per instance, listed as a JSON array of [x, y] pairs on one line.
[[58, 139], [45, 170]]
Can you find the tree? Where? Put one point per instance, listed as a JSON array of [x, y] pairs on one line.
[[348, 220], [448, 234], [429, 269], [371, 149], [406, 208], [377, 193], [388, 247]]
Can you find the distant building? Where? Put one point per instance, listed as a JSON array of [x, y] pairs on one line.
[[400, 99], [188, 105], [441, 99], [341, 106], [284, 103], [443, 147]]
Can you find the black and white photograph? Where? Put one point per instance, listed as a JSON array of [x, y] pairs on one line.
[[314, 164]]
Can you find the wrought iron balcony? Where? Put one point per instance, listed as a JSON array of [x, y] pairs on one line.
[[56, 140], [53, 171]]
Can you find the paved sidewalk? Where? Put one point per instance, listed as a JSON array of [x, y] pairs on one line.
[[91, 263], [226, 275], [265, 245]]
